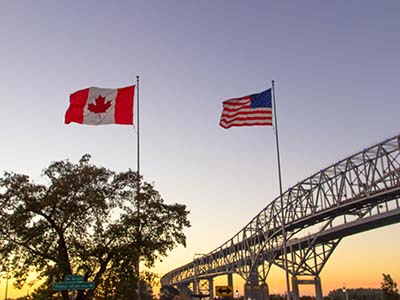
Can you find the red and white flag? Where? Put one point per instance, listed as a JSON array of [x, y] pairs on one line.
[[98, 106]]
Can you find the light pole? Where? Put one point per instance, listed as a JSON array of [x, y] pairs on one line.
[[345, 293], [4, 270]]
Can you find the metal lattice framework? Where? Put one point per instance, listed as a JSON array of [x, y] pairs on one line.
[[356, 194]]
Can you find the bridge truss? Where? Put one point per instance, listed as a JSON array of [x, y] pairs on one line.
[[358, 193]]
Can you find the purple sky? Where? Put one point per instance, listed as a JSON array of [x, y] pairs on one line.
[[336, 66]]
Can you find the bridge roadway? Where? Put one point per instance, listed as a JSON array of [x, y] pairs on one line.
[[356, 194]]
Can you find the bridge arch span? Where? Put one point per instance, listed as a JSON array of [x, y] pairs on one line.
[[358, 193]]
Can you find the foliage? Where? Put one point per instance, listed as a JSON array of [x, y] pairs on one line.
[[389, 288], [356, 294], [88, 221]]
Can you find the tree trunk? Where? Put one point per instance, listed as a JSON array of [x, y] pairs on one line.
[[65, 295], [81, 295]]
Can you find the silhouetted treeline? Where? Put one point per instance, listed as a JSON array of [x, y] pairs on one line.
[[356, 294], [338, 294]]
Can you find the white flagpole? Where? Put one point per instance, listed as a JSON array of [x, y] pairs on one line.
[[138, 130], [281, 196], [138, 187]]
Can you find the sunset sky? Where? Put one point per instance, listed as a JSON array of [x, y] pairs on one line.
[[336, 65]]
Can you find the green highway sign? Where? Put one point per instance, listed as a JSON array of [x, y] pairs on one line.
[[72, 285], [60, 286], [73, 278], [73, 282]]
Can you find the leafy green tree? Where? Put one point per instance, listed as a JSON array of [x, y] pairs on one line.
[[85, 220], [389, 288]]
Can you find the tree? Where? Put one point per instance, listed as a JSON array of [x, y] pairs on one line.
[[356, 294], [89, 221], [389, 288]]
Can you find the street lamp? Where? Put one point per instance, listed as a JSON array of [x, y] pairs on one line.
[[345, 293], [4, 270]]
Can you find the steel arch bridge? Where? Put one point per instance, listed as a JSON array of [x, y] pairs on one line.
[[358, 193]]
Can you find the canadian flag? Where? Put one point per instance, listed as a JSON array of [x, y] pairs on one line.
[[98, 106]]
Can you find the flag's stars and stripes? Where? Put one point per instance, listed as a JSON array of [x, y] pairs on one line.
[[250, 110]]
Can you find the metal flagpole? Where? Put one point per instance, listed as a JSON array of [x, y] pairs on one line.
[[138, 188], [281, 195], [138, 135]]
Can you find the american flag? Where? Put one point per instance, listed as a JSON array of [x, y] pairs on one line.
[[251, 110]]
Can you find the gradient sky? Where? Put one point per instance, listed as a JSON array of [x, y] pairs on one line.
[[336, 66]]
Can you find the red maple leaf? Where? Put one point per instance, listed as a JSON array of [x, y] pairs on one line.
[[101, 105]]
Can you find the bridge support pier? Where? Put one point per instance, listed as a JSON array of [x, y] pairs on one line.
[[295, 288], [316, 282], [230, 279], [184, 290], [211, 287], [264, 291], [196, 284], [254, 290]]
